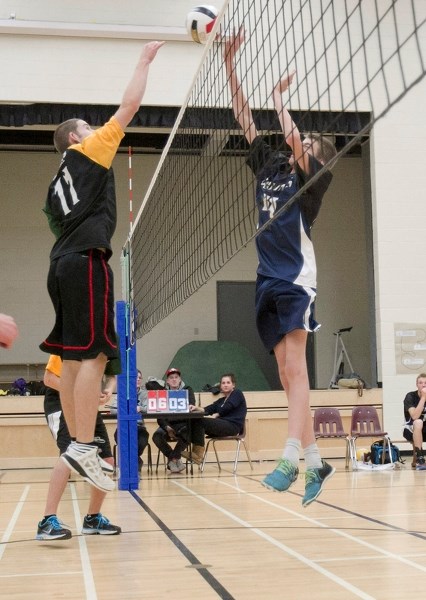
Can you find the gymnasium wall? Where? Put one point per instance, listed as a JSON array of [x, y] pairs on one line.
[[43, 68], [25, 243], [86, 70], [398, 159]]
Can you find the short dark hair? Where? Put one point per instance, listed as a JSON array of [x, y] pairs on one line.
[[62, 132], [231, 377], [325, 150]]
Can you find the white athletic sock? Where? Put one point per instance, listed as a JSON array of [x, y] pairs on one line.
[[292, 451], [312, 456], [82, 447]]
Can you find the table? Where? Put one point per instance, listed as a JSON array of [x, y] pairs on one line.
[[171, 416]]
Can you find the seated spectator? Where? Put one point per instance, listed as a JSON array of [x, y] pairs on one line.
[[226, 416], [415, 426], [173, 431], [141, 408]]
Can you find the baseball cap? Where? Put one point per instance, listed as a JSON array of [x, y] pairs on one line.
[[171, 371]]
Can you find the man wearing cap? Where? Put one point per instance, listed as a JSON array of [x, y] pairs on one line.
[[173, 431]]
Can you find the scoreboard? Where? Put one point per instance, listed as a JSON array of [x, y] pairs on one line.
[[168, 401]]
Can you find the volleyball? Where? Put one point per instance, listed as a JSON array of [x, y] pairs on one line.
[[200, 22]]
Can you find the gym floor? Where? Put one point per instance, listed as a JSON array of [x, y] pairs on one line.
[[216, 535]]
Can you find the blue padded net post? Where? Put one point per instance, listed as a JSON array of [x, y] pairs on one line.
[[126, 403]]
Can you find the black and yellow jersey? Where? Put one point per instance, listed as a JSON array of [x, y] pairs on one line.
[[81, 203]]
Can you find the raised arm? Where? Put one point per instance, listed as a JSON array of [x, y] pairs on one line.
[[288, 126], [240, 105], [135, 89]]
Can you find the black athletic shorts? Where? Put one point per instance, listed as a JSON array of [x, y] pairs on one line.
[[59, 430], [81, 288]]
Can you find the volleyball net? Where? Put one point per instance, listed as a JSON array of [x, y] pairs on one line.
[[354, 59]]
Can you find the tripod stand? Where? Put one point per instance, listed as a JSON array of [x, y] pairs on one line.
[[340, 359]]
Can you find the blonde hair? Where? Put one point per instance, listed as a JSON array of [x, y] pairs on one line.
[[421, 376], [324, 149]]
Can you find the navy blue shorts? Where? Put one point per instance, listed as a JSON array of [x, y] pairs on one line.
[[81, 288], [282, 307]]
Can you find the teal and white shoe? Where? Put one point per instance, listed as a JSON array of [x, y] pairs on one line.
[[314, 481], [283, 476]]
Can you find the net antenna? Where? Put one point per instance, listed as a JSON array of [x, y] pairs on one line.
[[130, 191], [354, 61]]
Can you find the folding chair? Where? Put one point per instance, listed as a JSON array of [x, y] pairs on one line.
[[328, 425], [239, 439], [365, 423]]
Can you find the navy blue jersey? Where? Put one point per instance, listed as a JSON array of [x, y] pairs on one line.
[[285, 249], [81, 204]]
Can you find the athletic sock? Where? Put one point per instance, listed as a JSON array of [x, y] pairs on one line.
[[312, 456], [292, 451], [86, 445], [47, 517]]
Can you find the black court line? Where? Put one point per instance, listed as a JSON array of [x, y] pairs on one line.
[[371, 520], [355, 514], [210, 579]]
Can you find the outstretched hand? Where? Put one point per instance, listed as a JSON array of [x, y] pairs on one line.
[[285, 82], [233, 43], [149, 51]]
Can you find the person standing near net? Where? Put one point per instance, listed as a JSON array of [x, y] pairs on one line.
[[141, 408], [286, 275], [51, 527], [81, 209]]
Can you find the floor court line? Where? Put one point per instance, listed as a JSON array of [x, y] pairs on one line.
[[417, 534], [350, 514], [54, 573], [293, 553], [89, 582], [339, 532], [221, 591], [8, 532]]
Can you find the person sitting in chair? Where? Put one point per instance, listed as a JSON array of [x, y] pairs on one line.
[[415, 416], [173, 431], [226, 416]]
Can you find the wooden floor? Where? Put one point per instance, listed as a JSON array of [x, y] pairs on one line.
[[218, 536]]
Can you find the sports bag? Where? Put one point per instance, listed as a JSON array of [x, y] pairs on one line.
[[377, 453]]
